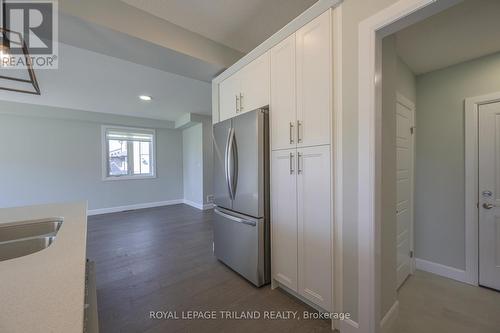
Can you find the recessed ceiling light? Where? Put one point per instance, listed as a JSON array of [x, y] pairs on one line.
[[145, 97]]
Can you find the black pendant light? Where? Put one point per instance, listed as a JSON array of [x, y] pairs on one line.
[[5, 60], [4, 45]]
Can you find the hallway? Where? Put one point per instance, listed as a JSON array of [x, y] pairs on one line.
[[430, 303]]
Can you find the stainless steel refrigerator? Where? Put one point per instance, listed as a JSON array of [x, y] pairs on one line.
[[241, 190]]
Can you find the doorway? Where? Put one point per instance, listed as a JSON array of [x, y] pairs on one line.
[[482, 188], [405, 115], [393, 19], [489, 196]]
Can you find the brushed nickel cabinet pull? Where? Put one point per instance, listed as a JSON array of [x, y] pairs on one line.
[[299, 125], [299, 164]]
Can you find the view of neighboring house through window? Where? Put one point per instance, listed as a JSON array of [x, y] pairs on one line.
[[128, 152]]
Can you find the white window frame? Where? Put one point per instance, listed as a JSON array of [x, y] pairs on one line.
[[105, 153]]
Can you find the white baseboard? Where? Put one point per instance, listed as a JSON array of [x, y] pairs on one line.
[[148, 205], [442, 270], [134, 206], [348, 326], [198, 205], [387, 323]]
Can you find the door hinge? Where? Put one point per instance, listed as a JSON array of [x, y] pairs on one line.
[[411, 254], [412, 129]]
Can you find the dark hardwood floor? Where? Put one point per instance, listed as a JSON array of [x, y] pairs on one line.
[[161, 259]]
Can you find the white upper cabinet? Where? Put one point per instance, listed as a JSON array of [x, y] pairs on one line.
[[283, 116], [246, 90], [255, 89], [314, 81], [314, 225], [284, 217], [301, 87], [229, 97]]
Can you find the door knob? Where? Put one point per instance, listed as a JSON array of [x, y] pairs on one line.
[[488, 206]]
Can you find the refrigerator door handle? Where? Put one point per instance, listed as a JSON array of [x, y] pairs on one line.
[[234, 218], [226, 163], [230, 164], [234, 156]]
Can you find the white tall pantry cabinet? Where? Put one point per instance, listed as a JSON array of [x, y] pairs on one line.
[[295, 78], [300, 112]]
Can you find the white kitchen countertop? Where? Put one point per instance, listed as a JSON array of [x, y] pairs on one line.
[[44, 291]]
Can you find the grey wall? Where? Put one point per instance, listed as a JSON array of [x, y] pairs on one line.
[[54, 155], [353, 12], [396, 78], [198, 157], [406, 81], [208, 158], [440, 171], [192, 156]]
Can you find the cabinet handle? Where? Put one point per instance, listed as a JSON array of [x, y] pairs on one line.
[[237, 102], [241, 102], [291, 133], [291, 163], [299, 164], [299, 125]]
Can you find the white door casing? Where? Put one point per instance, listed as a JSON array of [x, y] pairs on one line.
[[371, 31], [489, 195], [404, 181], [284, 217], [314, 236]]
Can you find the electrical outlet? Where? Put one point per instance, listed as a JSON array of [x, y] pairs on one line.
[[210, 198]]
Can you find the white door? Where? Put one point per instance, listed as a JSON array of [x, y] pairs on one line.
[[489, 195], [314, 225], [229, 93], [314, 78], [255, 86], [404, 160], [284, 217], [282, 110]]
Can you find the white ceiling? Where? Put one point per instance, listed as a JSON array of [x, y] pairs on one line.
[[102, 69], [93, 37], [239, 24], [467, 31], [91, 81]]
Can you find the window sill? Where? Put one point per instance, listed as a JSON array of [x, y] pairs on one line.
[[128, 178]]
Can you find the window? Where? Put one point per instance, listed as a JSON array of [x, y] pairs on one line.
[[128, 153]]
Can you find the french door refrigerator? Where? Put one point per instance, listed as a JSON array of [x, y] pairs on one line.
[[241, 190]]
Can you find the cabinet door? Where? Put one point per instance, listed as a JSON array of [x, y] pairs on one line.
[[255, 84], [314, 225], [282, 109], [314, 77], [284, 217], [229, 91]]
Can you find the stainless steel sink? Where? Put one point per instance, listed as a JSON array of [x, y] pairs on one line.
[[26, 237], [18, 248], [27, 229]]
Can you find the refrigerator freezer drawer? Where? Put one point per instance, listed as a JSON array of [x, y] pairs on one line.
[[239, 242]]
